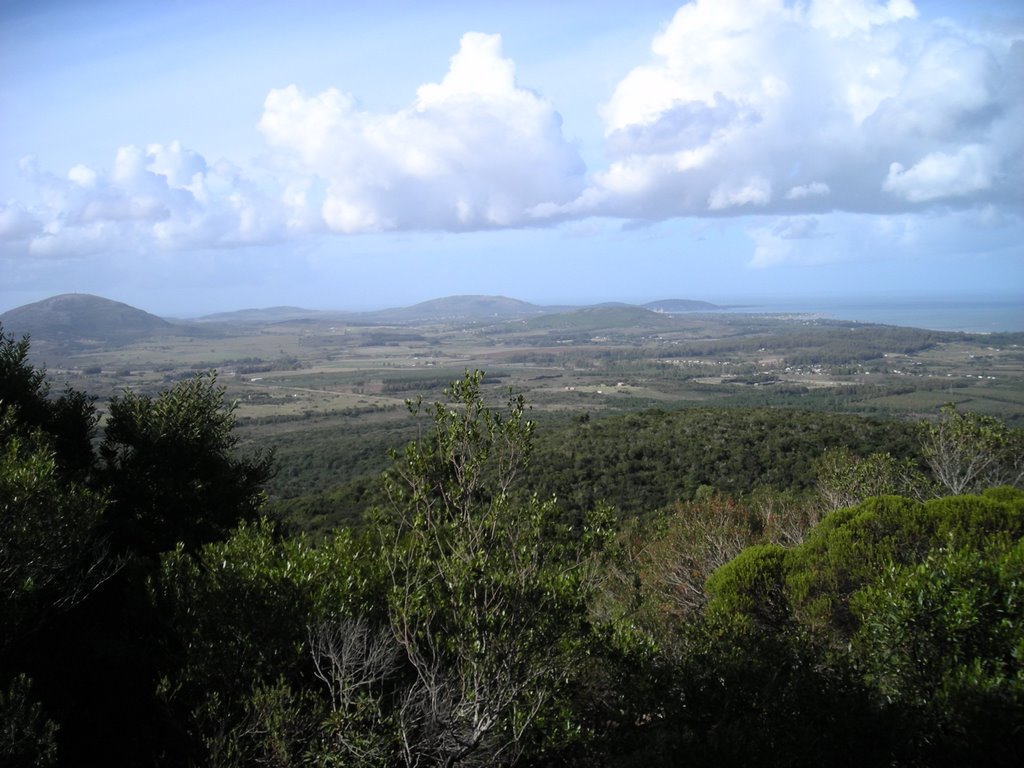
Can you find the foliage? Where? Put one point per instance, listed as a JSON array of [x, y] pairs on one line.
[[169, 463], [236, 669], [640, 464], [27, 736], [968, 452], [906, 615], [679, 550], [51, 554], [730, 618], [69, 420], [21, 384], [488, 598], [643, 462], [448, 636], [942, 642], [79, 538], [843, 479]]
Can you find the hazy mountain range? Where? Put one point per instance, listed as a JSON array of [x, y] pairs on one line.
[[80, 317]]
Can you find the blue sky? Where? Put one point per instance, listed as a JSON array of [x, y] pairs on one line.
[[192, 157]]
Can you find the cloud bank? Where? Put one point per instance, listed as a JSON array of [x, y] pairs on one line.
[[746, 107], [165, 197], [763, 107]]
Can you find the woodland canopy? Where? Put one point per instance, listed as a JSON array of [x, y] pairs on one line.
[[865, 608]]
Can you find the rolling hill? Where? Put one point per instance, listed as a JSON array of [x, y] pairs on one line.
[[79, 318], [462, 308], [598, 318], [261, 316], [674, 306], [82, 318]]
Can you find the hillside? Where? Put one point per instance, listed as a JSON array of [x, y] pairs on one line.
[[82, 317], [673, 306], [461, 308], [605, 317], [469, 308], [258, 316]]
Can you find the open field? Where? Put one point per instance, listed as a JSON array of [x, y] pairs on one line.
[[330, 397]]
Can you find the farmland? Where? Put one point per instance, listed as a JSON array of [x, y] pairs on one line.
[[328, 393]]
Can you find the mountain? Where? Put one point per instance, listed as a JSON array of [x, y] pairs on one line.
[[675, 306], [601, 318], [462, 308], [259, 316], [82, 317], [79, 318]]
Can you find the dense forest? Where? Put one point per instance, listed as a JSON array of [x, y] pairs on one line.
[[740, 586], [642, 463]]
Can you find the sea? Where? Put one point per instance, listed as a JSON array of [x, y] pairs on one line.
[[978, 316]]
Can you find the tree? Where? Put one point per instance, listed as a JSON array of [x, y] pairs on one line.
[[450, 635], [69, 421], [941, 643], [27, 736], [844, 479], [22, 385], [171, 468], [250, 616], [488, 599], [51, 559], [51, 554], [890, 635], [968, 452]]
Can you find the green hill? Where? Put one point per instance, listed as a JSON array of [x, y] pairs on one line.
[[615, 316], [82, 318], [673, 306], [461, 308]]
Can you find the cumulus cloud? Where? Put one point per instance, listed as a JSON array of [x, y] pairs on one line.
[[473, 151], [756, 191], [165, 197], [789, 108], [942, 175], [746, 107]]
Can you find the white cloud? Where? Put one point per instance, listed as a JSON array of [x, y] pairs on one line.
[[181, 167], [473, 151], [941, 175], [756, 191], [164, 197], [82, 175], [60, 242], [827, 103], [814, 189], [746, 107], [16, 223], [842, 18]]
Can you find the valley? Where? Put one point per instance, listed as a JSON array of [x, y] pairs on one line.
[[327, 392]]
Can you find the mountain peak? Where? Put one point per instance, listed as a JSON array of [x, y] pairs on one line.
[[82, 317]]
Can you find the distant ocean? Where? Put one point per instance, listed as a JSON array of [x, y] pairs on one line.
[[974, 316]]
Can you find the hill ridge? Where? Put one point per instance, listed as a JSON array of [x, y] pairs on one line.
[[83, 317]]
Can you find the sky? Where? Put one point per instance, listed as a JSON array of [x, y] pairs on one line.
[[194, 157]]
